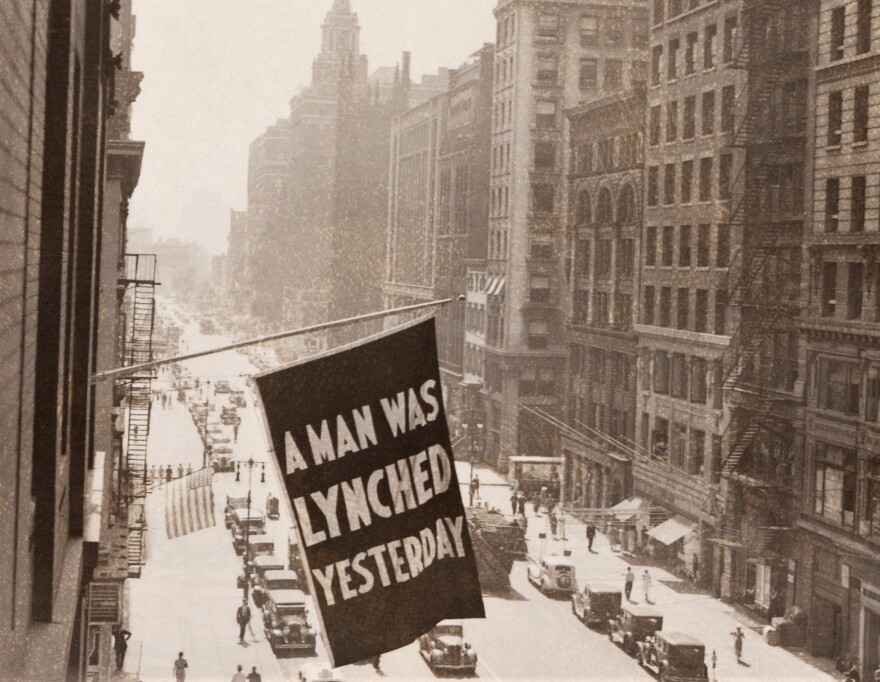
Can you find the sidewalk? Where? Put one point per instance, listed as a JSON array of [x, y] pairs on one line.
[[693, 612]]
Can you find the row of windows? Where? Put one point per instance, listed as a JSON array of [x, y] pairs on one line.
[[503, 114], [610, 154], [504, 71], [707, 181], [691, 60], [549, 28], [858, 208], [861, 113], [598, 260], [685, 449], [606, 418], [594, 309], [685, 125], [691, 312], [843, 289], [689, 254], [547, 71], [612, 368], [603, 213], [837, 25]]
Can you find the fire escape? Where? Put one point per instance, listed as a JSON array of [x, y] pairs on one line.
[[772, 51], [139, 277]]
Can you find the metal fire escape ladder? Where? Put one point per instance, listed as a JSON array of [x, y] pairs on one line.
[[140, 276]]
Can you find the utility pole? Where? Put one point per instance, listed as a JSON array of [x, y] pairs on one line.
[[247, 532]]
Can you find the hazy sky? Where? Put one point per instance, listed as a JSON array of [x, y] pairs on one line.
[[218, 72]]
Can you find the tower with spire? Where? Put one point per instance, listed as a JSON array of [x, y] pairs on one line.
[[340, 42]]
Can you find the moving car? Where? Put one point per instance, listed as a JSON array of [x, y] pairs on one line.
[[222, 458], [445, 651], [553, 574], [632, 625], [596, 605], [674, 657], [260, 565], [286, 624]]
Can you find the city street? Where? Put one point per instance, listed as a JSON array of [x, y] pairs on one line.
[[186, 599]]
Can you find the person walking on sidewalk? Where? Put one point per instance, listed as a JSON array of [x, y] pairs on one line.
[[169, 474], [242, 617], [120, 645], [646, 585], [738, 637], [179, 668], [591, 535], [628, 583], [514, 500], [254, 676], [471, 490], [239, 676], [477, 487]]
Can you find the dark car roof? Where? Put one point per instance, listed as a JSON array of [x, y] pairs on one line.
[[644, 611], [679, 639]]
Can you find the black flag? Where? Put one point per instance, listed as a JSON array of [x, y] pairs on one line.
[[361, 439]]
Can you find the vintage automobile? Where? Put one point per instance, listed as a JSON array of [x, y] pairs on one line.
[[320, 671], [222, 386], [260, 565], [632, 625], [222, 458], [237, 398], [553, 574], [285, 619], [228, 416], [272, 506], [674, 657], [445, 651], [246, 524], [596, 605], [294, 558], [257, 545], [233, 503]]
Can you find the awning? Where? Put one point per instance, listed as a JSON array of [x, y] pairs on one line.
[[630, 508], [500, 286], [491, 283], [671, 530]]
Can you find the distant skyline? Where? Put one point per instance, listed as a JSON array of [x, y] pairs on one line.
[[214, 80]]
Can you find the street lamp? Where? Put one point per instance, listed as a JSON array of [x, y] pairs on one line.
[[205, 432], [247, 531], [473, 445]]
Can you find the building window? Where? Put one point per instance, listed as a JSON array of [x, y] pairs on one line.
[[587, 77], [548, 69], [545, 114], [658, 12], [678, 376], [703, 246], [835, 484], [600, 309], [708, 112], [613, 33], [674, 8], [668, 239], [839, 386], [855, 280], [794, 107], [873, 494], [728, 107], [548, 25], [613, 74], [661, 372], [872, 395], [857, 208], [721, 298], [682, 309], [698, 449], [639, 72], [706, 179], [543, 198], [625, 258], [722, 257], [538, 334], [684, 246], [539, 289], [669, 184], [729, 39], [656, 58], [832, 204], [860, 114], [863, 27], [835, 118], [678, 442], [709, 46], [829, 289], [665, 307], [660, 440], [671, 120], [653, 185], [687, 179], [701, 312], [589, 30], [651, 246], [648, 313], [603, 258], [640, 31], [672, 60], [838, 28], [582, 259], [690, 118], [654, 126], [725, 169], [690, 54], [545, 156]]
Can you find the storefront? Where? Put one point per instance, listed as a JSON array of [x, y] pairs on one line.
[[869, 630], [595, 478]]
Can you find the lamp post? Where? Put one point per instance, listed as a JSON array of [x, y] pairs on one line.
[[205, 432], [473, 446], [247, 532]]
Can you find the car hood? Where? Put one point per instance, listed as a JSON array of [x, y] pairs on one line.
[[450, 640]]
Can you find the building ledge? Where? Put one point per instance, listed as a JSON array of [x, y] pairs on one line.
[[650, 331]]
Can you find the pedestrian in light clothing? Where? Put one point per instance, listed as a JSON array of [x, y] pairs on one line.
[[239, 676], [646, 585], [591, 535], [179, 668], [242, 617], [254, 676], [628, 583]]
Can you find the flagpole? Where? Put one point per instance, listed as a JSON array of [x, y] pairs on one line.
[[131, 369]]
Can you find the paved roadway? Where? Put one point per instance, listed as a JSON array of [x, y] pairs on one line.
[[187, 598]]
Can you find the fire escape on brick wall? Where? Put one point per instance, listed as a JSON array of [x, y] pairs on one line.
[[759, 370], [139, 279]]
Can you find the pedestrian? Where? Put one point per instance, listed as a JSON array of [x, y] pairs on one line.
[[168, 474], [514, 499], [239, 676], [628, 583], [179, 668], [738, 637], [551, 505], [591, 535], [180, 471], [477, 487], [235, 432], [646, 585], [254, 676], [472, 489], [522, 502], [536, 502], [189, 469], [695, 568], [120, 645], [553, 524], [243, 617]]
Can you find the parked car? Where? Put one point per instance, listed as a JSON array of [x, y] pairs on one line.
[[632, 625], [233, 503], [260, 565], [445, 651], [286, 624], [674, 657], [258, 545], [596, 606], [320, 671], [221, 386], [553, 574], [246, 524], [237, 398], [228, 415], [294, 559], [222, 458]]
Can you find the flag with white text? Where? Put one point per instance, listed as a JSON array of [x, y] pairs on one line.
[[361, 439], [189, 504]]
